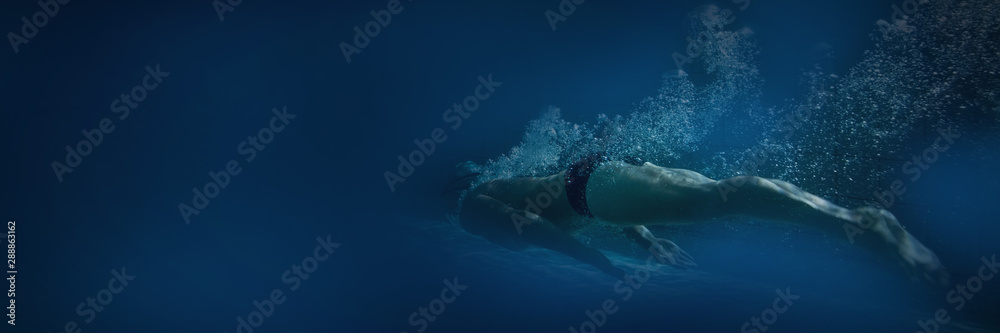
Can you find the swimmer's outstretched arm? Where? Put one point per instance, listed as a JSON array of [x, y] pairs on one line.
[[496, 220], [665, 251]]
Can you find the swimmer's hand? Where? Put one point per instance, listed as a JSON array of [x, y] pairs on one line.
[[668, 253]]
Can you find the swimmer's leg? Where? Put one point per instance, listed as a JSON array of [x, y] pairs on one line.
[[777, 200], [876, 230], [649, 194]]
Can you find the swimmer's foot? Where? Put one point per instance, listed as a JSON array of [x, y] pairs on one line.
[[889, 238], [668, 253]]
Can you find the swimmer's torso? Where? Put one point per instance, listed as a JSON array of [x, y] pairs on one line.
[[545, 193]]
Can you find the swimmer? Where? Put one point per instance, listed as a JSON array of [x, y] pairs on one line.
[[539, 211]]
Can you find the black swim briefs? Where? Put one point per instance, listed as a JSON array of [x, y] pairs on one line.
[[577, 176]]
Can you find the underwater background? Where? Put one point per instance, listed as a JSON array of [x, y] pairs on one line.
[[303, 118]]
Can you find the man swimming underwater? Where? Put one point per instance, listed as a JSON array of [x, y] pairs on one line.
[[540, 210]]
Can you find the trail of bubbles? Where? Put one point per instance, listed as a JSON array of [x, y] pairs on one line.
[[934, 69], [660, 129]]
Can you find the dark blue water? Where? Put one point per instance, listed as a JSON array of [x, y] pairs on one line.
[[310, 189]]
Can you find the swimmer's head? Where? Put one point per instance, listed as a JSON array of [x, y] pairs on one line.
[[461, 180]]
